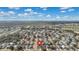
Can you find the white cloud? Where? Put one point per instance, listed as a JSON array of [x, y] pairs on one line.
[[58, 17], [43, 8], [19, 14], [14, 17], [11, 12], [16, 8], [28, 10], [25, 14], [63, 11], [40, 15], [1, 13], [64, 8], [35, 12], [29, 14], [48, 15], [71, 10]]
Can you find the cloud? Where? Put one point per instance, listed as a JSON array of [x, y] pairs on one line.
[[31, 15], [31, 12], [71, 10], [2, 13], [65, 8], [40, 15], [48, 15], [58, 17], [28, 10], [16, 8], [19, 14], [66, 16], [63, 11], [35, 12], [11, 12], [44, 8], [14, 17], [25, 14], [22, 15]]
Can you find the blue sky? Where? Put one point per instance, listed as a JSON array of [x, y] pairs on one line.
[[39, 13]]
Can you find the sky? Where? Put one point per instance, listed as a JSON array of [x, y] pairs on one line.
[[39, 13]]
